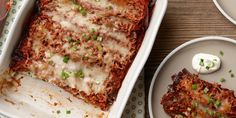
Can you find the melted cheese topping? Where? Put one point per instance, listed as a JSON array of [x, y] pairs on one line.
[[83, 46]]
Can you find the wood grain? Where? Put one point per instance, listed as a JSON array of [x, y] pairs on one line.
[[184, 21]]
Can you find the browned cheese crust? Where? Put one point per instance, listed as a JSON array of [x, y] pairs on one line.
[[94, 40], [191, 97]]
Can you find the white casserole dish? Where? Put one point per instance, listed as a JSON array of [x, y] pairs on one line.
[[39, 109]]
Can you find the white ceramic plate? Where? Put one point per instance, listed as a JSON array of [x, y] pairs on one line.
[[181, 58], [26, 106], [227, 8]]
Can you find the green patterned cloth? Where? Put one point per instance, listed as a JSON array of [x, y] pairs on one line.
[[135, 108], [9, 21]]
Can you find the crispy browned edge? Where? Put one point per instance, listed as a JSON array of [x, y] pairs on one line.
[[112, 85], [173, 108]]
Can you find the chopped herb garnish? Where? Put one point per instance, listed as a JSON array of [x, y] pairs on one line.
[[66, 59], [75, 2], [68, 112], [83, 11], [214, 59], [221, 53], [80, 8], [207, 67], [217, 103], [51, 63], [94, 37], [87, 37], [109, 7], [65, 75], [205, 90], [232, 75], [58, 111], [218, 115], [74, 48], [211, 64], [79, 74], [77, 42], [99, 38], [97, 0], [211, 113], [222, 80], [210, 100], [201, 63], [93, 30], [69, 39], [194, 104], [194, 86], [230, 71], [100, 48]]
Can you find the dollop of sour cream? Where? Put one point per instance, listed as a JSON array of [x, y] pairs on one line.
[[205, 63]]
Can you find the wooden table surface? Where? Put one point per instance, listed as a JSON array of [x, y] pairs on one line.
[[184, 21]]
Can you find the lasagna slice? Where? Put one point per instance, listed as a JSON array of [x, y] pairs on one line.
[[83, 46], [191, 97]]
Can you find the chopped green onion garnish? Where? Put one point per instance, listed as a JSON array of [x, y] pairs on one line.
[[194, 104], [222, 79], [79, 74], [51, 63], [109, 7], [232, 75], [74, 48], [74, 1], [230, 71], [66, 59], [68, 111], [211, 64], [218, 115], [100, 49], [205, 90], [65, 75], [207, 67], [201, 63], [94, 37], [211, 113], [210, 100], [87, 37], [194, 86], [217, 103], [93, 30], [99, 38], [69, 39], [221, 53], [83, 11], [58, 111]]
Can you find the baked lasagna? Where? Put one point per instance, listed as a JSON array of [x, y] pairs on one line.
[[191, 97], [83, 46]]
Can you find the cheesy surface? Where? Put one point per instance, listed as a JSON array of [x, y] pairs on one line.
[[83, 46]]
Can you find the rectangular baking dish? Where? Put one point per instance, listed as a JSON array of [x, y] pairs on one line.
[[23, 103]]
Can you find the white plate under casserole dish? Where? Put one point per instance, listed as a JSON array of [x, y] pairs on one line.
[[22, 104]]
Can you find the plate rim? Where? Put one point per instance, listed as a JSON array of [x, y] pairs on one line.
[[196, 40], [222, 11]]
